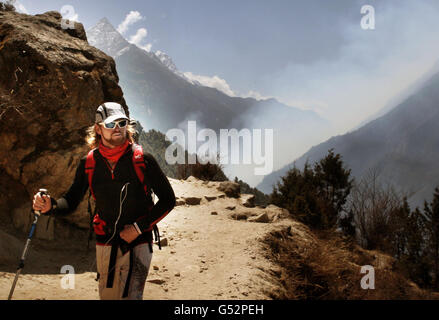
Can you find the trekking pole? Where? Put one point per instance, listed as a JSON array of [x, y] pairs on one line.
[[26, 247]]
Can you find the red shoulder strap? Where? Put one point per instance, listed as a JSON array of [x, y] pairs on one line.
[[139, 164], [90, 168]]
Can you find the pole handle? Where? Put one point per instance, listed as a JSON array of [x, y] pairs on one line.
[[41, 192]]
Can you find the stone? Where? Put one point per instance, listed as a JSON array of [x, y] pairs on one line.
[[276, 213], [192, 201], [230, 208], [231, 189], [239, 216], [179, 202], [192, 179], [163, 242], [214, 213], [248, 200], [210, 198], [156, 281], [263, 218]]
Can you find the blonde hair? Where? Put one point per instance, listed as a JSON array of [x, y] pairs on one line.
[[93, 138]]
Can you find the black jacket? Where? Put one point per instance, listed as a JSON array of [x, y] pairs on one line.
[[132, 202]]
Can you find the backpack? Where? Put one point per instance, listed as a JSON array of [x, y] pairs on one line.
[[139, 167]]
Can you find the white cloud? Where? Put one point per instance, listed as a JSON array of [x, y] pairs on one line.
[[222, 85], [138, 38], [211, 82], [130, 19], [256, 95], [20, 7]]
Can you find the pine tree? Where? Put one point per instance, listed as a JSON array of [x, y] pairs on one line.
[[315, 196], [431, 212], [333, 187], [399, 224], [417, 256]]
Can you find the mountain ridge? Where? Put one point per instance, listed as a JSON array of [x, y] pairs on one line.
[[401, 145]]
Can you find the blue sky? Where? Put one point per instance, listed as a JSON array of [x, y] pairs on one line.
[[309, 54]]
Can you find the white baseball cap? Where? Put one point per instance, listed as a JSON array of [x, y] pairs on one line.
[[110, 111]]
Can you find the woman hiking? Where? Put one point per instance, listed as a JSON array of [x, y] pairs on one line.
[[120, 177]]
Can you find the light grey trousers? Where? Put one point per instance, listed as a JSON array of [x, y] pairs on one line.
[[140, 269]]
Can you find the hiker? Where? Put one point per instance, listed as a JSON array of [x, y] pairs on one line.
[[120, 177]]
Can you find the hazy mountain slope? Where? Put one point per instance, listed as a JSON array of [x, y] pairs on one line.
[[403, 145]]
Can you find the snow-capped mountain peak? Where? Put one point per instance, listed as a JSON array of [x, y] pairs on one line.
[[166, 60], [106, 38]]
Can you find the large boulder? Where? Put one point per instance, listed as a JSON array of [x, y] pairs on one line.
[[51, 82]]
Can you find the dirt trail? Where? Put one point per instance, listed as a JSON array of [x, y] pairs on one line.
[[207, 256]]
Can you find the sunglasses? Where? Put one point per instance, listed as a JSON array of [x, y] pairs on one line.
[[112, 125]]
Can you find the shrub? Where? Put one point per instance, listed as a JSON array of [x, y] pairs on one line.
[[316, 196]]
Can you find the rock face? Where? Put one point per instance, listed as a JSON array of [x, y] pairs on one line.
[[51, 82]]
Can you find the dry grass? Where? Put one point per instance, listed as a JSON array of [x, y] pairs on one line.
[[328, 267]]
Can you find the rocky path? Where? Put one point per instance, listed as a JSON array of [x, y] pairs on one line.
[[210, 250]]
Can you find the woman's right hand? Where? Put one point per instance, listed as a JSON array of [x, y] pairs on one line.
[[42, 203]]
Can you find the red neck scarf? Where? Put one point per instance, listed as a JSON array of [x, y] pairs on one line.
[[113, 154]]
